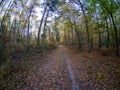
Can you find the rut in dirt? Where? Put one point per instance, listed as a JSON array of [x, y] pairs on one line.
[[71, 73]]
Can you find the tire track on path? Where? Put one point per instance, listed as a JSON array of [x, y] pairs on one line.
[[75, 86]]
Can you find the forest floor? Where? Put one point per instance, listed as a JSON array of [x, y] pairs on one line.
[[66, 69]]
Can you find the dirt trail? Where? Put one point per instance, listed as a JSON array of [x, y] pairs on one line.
[[52, 75], [64, 70]]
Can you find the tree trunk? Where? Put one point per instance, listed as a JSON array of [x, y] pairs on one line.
[[28, 34], [91, 39], [57, 33], [28, 31], [24, 28], [44, 29], [72, 34], [99, 39], [18, 32], [116, 36], [14, 31], [86, 24], [107, 45], [10, 34], [38, 37], [65, 39]]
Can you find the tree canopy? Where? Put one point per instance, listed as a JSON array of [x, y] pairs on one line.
[[88, 23]]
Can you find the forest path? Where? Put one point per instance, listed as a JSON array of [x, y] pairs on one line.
[[64, 70]]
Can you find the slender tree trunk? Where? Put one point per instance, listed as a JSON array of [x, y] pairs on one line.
[[10, 34], [107, 45], [14, 31], [18, 32], [78, 39], [57, 33], [44, 29], [99, 39], [78, 36], [28, 34], [65, 38], [91, 39], [49, 36], [116, 35], [28, 31], [24, 28], [39, 30], [72, 34], [99, 34], [86, 24]]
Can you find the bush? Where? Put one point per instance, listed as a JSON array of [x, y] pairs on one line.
[[10, 49], [5, 69], [16, 48]]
